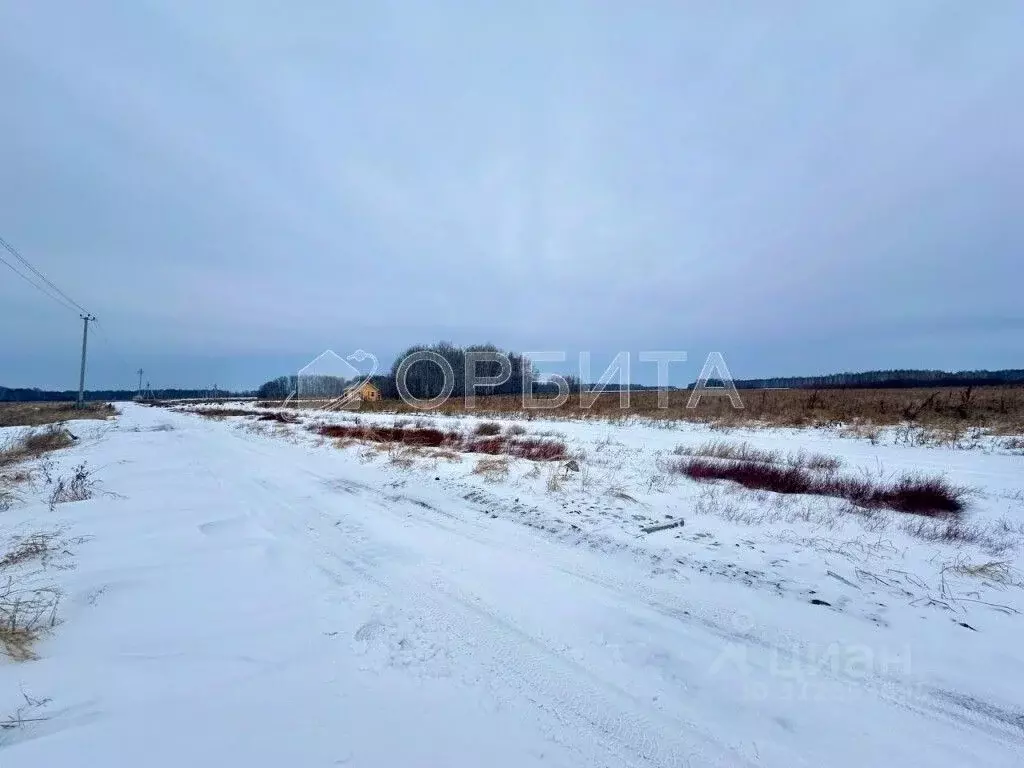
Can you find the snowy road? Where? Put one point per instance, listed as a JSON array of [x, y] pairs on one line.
[[249, 601]]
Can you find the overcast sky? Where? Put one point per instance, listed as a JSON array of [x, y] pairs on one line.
[[232, 187]]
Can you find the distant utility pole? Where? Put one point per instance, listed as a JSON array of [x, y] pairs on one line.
[[139, 393], [85, 343]]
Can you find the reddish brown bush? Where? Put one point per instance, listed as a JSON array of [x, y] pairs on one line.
[[217, 413], [928, 496], [537, 450], [922, 496], [423, 437], [428, 437], [492, 445], [278, 416]]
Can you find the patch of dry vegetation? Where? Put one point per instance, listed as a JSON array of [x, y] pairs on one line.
[[281, 417], [25, 612], [995, 537], [31, 444], [945, 411], [534, 449], [995, 571], [26, 713], [720, 449], [217, 413], [24, 446], [78, 486], [23, 549], [25, 615], [492, 470], [914, 494], [38, 414], [10, 479]]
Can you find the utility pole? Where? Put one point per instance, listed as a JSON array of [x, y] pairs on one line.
[[85, 343], [139, 393]]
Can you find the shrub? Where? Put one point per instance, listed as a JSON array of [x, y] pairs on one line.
[[78, 487], [423, 437], [537, 450], [279, 416], [428, 437], [487, 428], [25, 614], [930, 496], [218, 413], [492, 445], [29, 444]]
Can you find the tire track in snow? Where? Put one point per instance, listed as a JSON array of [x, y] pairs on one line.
[[951, 708], [618, 728]]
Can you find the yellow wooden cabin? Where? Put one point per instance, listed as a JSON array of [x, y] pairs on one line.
[[366, 391]]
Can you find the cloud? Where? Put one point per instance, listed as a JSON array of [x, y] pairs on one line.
[[256, 179]]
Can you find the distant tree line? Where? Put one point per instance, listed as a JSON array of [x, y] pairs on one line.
[[892, 379], [42, 395], [425, 379]]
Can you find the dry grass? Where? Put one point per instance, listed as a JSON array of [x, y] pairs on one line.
[[31, 444], [79, 486], [25, 612], [485, 428], [403, 456], [25, 713], [446, 454], [998, 408], [554, 481], [34, 547], [995, 571], [996, 538], [9, 480], [25, 615], [38, 414], [492, 470], [720, 449], [21, 447]]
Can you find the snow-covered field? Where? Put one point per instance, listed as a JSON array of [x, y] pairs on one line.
[[243, 593]]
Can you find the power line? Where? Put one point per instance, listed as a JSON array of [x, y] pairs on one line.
[[14, 252], [48, 288], [42, 289]]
